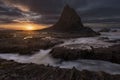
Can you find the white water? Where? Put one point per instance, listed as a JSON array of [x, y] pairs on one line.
[[43, 57], [85, 43], [40, 57], [111, 35], [93, 65]]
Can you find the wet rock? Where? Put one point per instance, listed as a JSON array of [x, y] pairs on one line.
[[103, 38], [10, 70], [114, 30], [27, 46], [105, 30], [70, 54], [111, 53], [113, 41]]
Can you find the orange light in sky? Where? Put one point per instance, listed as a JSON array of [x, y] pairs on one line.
[[30, 27], [23, 26]]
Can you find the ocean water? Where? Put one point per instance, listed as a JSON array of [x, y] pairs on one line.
[[43, 57]]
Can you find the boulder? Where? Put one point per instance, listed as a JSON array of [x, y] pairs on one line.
[[105, 30], [111, 54]]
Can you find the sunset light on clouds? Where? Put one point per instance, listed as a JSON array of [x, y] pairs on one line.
[[23, 26]]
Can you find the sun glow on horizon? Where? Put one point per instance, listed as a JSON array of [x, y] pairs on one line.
[[30, 27], [23, 26]]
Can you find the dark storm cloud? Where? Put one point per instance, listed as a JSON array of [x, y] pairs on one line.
[[101, 8], [48, 6], [41, 6], [51, 9], [8, 14], [5, 10], [52, 6]]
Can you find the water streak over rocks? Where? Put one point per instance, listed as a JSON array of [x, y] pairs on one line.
[[10, 70]]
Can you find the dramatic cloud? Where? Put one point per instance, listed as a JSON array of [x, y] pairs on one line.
[[7, 14], [52, 6], [48, 11]]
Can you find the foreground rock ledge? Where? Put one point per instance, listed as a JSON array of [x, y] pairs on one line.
[[10, 70]]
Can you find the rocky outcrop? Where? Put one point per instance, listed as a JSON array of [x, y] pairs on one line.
[[70, 22], [111, 54], [10, 70], [26, 46], [105, 30]]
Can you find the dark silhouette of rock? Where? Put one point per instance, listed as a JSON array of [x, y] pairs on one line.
[[70, 22]]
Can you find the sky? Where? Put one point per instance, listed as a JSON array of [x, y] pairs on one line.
[[48, 11]]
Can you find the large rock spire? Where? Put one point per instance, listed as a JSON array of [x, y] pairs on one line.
[[70, 22]]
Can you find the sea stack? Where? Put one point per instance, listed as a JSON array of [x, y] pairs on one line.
[[70, 22]]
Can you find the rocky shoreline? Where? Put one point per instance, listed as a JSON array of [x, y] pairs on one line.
[[26, 45], [10, 70], [111, 54], [28, 42]]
